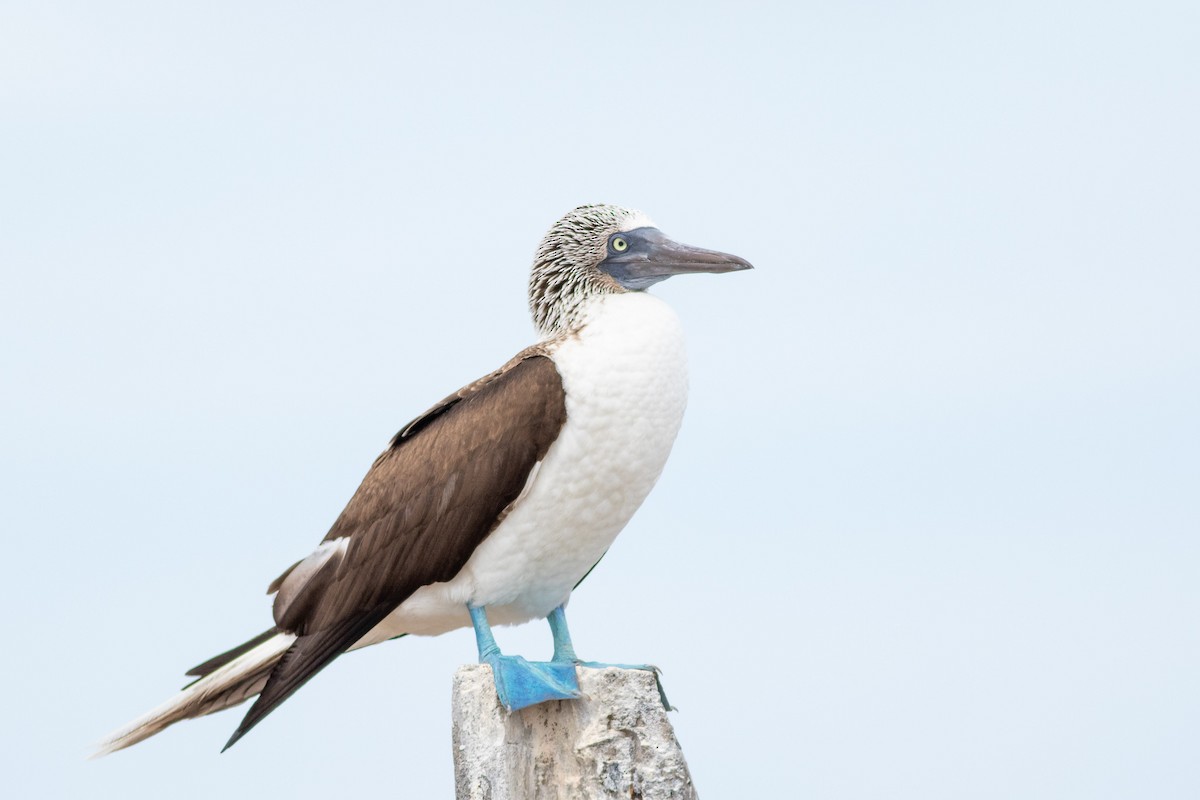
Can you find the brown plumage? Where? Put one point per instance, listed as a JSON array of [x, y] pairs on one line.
[[443, 484], [425, 505]]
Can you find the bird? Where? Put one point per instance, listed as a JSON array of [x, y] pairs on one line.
[[494, 504]]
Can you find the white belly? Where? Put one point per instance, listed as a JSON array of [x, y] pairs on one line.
[[625, 376]]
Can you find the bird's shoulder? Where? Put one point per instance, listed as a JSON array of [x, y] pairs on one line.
[[541, 350]]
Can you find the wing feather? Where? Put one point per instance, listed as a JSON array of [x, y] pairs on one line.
[[430, 498], [443, 484]]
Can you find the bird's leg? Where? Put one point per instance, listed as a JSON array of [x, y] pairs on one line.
[[564, 651], [483, 634], [521, 683]]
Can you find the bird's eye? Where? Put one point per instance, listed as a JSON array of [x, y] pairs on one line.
[[619, 244]]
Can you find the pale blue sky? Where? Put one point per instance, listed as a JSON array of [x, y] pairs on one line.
[[931, 528]]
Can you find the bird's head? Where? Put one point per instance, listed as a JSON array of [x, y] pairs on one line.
[[605, 249]]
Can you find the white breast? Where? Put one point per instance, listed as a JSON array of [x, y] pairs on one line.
[[625, 376]]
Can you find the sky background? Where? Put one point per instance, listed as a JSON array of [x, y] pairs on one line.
[[931, 528]]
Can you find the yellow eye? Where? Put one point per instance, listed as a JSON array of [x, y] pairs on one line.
[[619, 244]]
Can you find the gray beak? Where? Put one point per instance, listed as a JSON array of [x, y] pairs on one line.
[[649, 257]]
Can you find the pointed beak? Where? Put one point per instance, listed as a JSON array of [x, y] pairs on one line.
[[668, 257], [652, 257]]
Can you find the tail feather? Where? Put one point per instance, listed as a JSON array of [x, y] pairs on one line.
[[225, 686], [307, 656], [200, 670]]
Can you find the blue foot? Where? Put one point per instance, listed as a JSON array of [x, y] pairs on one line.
[[521, 683], [564, 651]]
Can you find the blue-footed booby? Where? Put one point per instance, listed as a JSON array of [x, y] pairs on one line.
[[494, 504]]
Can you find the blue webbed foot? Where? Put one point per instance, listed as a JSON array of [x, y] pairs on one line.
[[564, 652], [521, 683]]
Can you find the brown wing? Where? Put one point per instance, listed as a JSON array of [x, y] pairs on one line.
[[430, 499], [427, 502]]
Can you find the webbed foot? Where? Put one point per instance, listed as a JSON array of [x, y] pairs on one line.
[[521, 683]]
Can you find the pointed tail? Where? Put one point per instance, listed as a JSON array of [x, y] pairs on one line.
[[233, 681]]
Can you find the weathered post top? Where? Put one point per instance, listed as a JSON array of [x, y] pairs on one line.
[[615, 742]]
